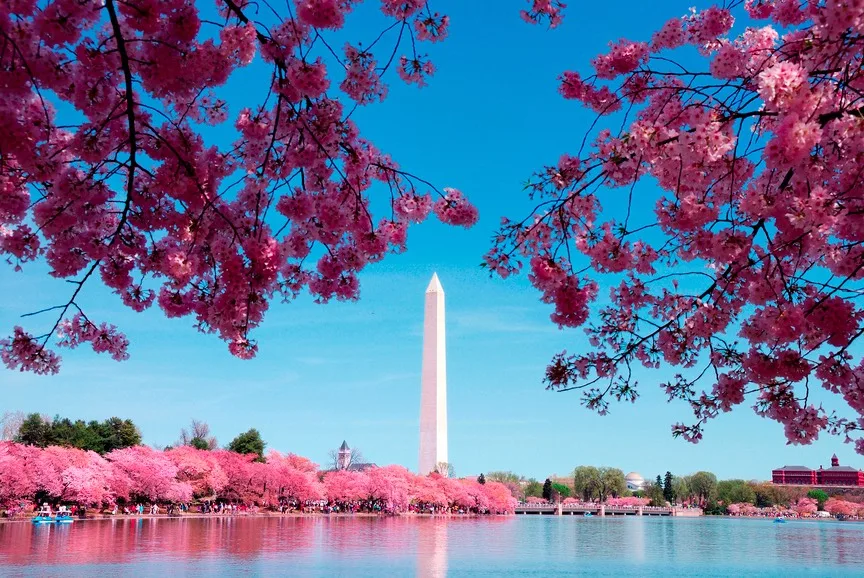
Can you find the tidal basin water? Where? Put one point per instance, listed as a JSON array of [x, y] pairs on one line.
[[430, 547]]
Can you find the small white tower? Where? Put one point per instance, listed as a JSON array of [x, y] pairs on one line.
[[344, 459]]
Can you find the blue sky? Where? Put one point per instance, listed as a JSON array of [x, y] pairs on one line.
[[490, 118]]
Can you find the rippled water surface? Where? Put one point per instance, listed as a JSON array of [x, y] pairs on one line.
[[505, 546]]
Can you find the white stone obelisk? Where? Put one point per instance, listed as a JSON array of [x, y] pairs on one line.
[[433, 393]]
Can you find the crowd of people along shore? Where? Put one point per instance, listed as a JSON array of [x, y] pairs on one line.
[[186, 480]]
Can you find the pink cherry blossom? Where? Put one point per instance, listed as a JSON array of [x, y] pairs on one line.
[[130, 192], [454, 209], [415, 70], [746, 273], [140, 473], [842, 507], [542, 10], [431, 28], [143, 473]]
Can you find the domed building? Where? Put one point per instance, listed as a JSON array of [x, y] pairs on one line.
[[635, 481]]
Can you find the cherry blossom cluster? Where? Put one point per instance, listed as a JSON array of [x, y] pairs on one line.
[[839, 506], [747, 272], [544, 10], [140, 473], [628, 501], [106, 170]]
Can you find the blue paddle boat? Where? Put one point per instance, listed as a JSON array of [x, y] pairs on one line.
[[588, 515], [44, 516], [779, 520], [63, 516]]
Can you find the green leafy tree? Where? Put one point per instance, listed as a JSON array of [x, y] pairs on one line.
[[481, 479], [101, 437], [735, 492], [63, 432], [33, 431], [820, 496], [586, 482], [713, 508], [681, 487], [560, 490], [547, 490], [654, 492], [505, 477], [612, 483], [199, 443], [768, 495], [668, 488], [118, 434], [703, 486], [533, 488], [249, 442]]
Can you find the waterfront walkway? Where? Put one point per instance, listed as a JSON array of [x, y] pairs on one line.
[[602, 510]]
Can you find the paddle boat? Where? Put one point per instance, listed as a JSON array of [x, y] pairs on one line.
[[588, 515], [63, 516], [44, 515], [779, 520]]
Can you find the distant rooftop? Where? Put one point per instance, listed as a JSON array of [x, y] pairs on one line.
[[840, 469]]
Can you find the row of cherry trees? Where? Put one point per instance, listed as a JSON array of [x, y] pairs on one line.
[[181, 474], [804, 507]]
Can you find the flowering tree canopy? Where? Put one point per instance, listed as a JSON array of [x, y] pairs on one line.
[[805, 506], [198, 468], [140, 473], [748, 268], [127, 186], [838, 506], [746, 275], [628, 501]]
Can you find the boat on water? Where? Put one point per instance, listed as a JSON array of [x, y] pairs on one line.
[[588, 515], [779, 520], [46, 516]]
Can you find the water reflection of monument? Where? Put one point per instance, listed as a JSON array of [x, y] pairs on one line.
[[634, 537], [431, 548]]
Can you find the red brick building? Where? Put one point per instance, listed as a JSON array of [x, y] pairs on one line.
[[836, 475]]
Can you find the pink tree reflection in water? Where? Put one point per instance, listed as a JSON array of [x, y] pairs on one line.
[[429, 546], [128, 540]]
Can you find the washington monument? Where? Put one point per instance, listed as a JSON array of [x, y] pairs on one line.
[[433, 394]]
